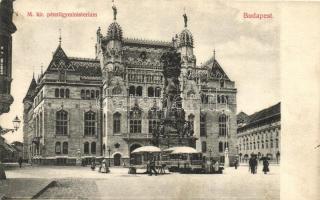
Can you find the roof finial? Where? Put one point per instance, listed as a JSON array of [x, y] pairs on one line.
[[114, 8], [60, 37], [214, 54], [185, 18]]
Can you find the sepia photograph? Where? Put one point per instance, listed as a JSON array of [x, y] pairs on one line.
[[119, 99]]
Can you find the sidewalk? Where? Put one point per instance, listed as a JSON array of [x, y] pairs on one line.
[[22, 188]]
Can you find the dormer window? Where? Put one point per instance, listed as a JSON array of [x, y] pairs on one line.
[[222, 83]]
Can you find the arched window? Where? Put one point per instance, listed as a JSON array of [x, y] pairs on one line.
[[203, 131], [158, 92], [226, 145], [93, 148], [271, 143], [92, 96], [61, 92], [135, 120], [3, 70], [277, 143], [150, 92], [58, 148], [56, 92], [139, 91], [86, 148], [65, 148], [67, 93], [132, 91], [262, 144], [116, 90], [116, 123], [191, 123], [223, 125], [204, 146], [62, 122], [83, 94], [40, 123], [220, 147], [89, 123], [87, 94]]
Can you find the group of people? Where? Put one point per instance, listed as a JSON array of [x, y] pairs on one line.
[[253, 164], [102, 167], [212, 166]]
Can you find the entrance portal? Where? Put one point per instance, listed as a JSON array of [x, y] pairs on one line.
[[117, 159]]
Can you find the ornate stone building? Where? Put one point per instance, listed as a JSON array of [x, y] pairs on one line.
[[259, 134], [110, 105], [6, 30]]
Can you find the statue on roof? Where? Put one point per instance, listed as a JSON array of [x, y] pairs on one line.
[[114, 12], [185, 20]]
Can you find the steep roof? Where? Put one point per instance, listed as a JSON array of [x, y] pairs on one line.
[[147, 43], [82, 66], [263, 116], [31, 90], [215, 69]]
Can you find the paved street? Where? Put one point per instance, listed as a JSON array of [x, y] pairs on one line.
[[76, 182]]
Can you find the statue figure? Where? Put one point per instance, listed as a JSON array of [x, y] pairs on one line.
[[114, 12], [185, 20]]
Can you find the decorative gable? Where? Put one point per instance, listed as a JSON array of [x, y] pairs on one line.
[[60, 61]]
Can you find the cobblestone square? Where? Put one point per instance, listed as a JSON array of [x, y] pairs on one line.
[[82, 182]]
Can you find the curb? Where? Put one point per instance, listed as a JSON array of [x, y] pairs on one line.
[[52, 183]]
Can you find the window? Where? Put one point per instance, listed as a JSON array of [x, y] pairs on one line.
[[223, 125], [86, 148], [58, 147], [116, 123], [87, 94], [67, 93], [204, 147], [97, 94], [158, 92], [116, 90], [277, 143], [93, 148], [92, 94], [89, 123], [56, 92], [191, 123], [153, 124], [271, 143], [220, 147], [83, 94], [62, 122], [65, 148], [226, 145], [139, 91], [40, 124], [132, 91], [104, 125], [203, 125], [221, 83], [135, 120], [2, 64], [62, 93], [150, 92]]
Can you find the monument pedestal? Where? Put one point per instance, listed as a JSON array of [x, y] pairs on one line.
[[174, 141]]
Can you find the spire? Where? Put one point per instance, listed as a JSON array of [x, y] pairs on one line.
[[114, 8], [185, 18], [214, 54], [60, 39]]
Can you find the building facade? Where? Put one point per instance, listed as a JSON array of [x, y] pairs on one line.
[[111, 105], [6, 30], [259, 134]]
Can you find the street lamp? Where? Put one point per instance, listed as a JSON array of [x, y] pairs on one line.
[[210, 151], [109, 151], [16, 124]]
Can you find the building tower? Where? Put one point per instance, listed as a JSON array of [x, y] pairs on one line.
[[7, 29]]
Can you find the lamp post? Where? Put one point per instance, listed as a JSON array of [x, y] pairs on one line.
[[16, 124], [109, 151], [210, 151]]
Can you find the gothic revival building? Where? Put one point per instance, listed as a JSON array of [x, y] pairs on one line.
[[259, 134], [113, 104]]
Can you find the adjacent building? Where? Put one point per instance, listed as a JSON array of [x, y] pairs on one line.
[[110, 105], [259, 134]]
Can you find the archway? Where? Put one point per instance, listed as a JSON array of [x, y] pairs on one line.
[[135, 159], [117, 159]]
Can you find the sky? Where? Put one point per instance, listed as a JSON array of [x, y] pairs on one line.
[[247, 49]]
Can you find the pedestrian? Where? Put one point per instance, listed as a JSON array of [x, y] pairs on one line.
[[216, 167], [236, 162], [265, 166], [93, 165], [255, 162], [20, 162], [152, 167]]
